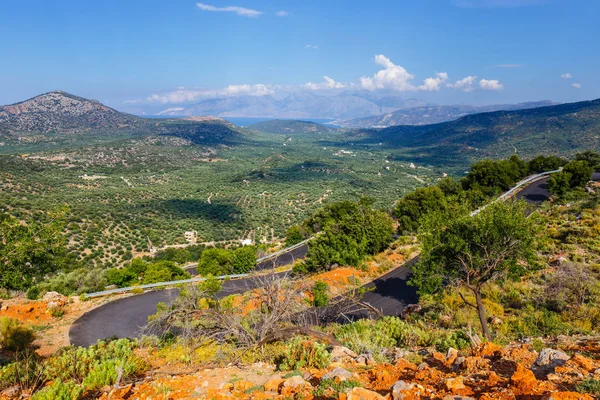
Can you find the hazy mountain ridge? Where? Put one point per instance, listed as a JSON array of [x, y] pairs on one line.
[[291, 127], [344, 105], [559, 129], [432, 114]]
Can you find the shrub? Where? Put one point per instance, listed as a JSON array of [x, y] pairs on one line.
[[60, 390], [294, 235], [589, 386], [320, 294], [14, 336], [303, 353], [33, 293]]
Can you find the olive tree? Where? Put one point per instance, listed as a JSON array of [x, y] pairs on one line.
[[468, 252]]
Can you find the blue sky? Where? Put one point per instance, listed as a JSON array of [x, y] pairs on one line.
[[129, 53]]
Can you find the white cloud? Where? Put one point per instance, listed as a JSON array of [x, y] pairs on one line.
[[434, 83], [396, 77], [183, 95], [328, 83], [567, 75], [311, 46], [171, 110], [466, 84], [491, 84], [282, 13], [244, 12], [576, 85]]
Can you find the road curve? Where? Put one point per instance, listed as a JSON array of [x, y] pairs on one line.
[[126, 317]]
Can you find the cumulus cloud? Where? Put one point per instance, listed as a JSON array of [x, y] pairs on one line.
[[282, 13], [244, 12], [491, 84], [183, 95], [466, 84], [311, 46], [567, 75], [396, 77], [328, 83], [576, 85]]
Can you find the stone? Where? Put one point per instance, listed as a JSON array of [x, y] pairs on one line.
[[273, 385], [293, 385], [338, 374], [341, 352], [359, 393], [4, 308], [366, 359], [454, 384], [399, 388], [568, 396], [454, 397], [243, 385], [451, 356], [422, 366], [551, 358], [582, 362], [523, 378], [55, 297]]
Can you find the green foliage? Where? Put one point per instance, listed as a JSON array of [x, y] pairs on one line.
[[211, 286], [33, 293], [542, 164], [163, 271], [215, 261], [348, 232], [591, 157], [14, 336], [244, 259], [303, 353], [320, 294], [294, 235], [559, 184], [30, 250], [60, 390], [580, 172], [336, 386], [493, 177], [97, 365], [412, 207], [139, 271], [81, 280], [589, 386]]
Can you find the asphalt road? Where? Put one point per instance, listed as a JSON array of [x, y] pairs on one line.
[[126, 317]]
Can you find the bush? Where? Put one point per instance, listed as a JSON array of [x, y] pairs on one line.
[[320, 293], [589, 386], [303, 353], [33, 293], [294, 235], [14, 336], [60, 390]]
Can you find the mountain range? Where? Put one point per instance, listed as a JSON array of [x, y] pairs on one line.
[[432, 114]]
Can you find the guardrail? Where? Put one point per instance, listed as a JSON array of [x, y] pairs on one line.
[[519, 185], [159, 284]]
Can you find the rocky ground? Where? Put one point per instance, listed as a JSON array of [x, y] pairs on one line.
[[486, 372]]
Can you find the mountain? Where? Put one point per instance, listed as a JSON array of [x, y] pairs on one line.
[[558, 129], [60, 111], [59, 118], [432, 114], [291, 127], [298, 105]]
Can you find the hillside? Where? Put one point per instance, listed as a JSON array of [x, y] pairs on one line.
[[559, 129], [59, 119], [433, 114], [291, 126]]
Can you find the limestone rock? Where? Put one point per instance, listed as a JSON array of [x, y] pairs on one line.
[[399, 388], [359, 393], [338, 374], [341, 352], [551, 358], [454, 384]]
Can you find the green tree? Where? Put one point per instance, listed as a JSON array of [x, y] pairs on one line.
[[580, 172], [163, 271], [320, 294], [543, 164], [591, 157], [493, 177], [31, 250], [412, 207], [244, 259], [472, 251], [294, 235], [215, 261], [559, 184]]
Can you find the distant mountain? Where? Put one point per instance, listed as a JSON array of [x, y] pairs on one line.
[[558, 129], [59, 118], [291, 127], [298, 105], [432, 114], [60, 111]]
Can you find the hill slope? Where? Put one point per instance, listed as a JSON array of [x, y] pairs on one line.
[[559, 129], [291, 126], [433, 114], [57, 119]]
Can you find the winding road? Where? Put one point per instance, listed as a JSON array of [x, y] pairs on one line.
[[126, 317]]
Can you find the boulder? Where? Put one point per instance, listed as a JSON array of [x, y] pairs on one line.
[[523, 378], [293, 385], [454, 384], [366, 359], [55, 297], [273, 385], [359, 393], [338, 374], [342, 352], [399, 390], [568, 396], [551, 358], [454, 397]]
